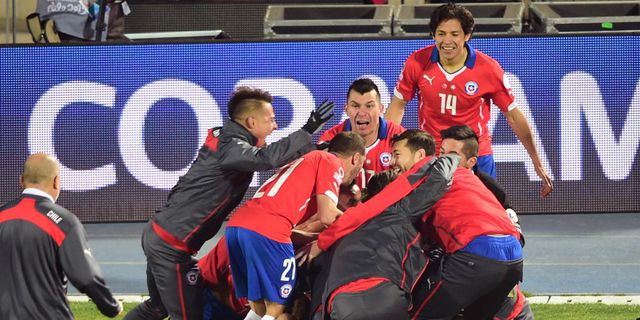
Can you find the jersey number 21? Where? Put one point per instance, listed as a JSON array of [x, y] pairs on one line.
[[280, 177]]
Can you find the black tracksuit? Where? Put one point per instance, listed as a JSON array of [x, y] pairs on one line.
[[195, 210], [387, 246], [41, 245]]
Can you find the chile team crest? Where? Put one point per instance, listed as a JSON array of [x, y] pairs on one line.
[[385, 159], [471, 87], [285, 291]]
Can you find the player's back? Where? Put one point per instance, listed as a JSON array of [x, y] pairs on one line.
[[481, 213], [282, 201], [31, 232]]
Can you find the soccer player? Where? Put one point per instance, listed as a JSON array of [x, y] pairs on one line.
[[364, 110], [378, 258], [263, 264], [42, 245], [483, 255], [220, 299], [457, 85], [462, 141], [201, 200]]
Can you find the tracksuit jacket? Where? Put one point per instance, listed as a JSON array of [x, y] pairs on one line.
[[217, 181], [41, 246]]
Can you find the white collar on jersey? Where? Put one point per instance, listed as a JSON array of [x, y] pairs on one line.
[[38, 192]]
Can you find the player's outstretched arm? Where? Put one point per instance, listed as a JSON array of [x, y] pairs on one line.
[[238, 154], [395, 111], [520, 126]]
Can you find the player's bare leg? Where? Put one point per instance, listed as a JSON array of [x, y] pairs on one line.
[[258, 307], [274, 309]]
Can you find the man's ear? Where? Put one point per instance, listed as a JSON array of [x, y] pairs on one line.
[[355, 159], [420, 154], [22, 181], [250, 122], [471, 162], [56, 182]]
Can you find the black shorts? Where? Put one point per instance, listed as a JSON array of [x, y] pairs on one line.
[[383, 301], [466, 281]]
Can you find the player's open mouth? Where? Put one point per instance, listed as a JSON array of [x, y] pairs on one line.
[[447, 48], [362, 123]]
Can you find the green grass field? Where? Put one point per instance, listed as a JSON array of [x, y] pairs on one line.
[[595, 311]]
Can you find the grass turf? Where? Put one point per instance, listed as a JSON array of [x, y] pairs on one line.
[[592, 311]]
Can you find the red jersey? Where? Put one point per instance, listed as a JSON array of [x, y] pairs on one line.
[[449, 99], [281, 202], [378, 155], [216, 272], [466, 211]]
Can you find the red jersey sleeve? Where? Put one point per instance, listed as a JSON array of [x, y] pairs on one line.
[[503, 96], [329, 177], [409, 76]]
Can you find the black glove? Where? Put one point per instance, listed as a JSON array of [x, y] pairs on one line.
[[319, 117]]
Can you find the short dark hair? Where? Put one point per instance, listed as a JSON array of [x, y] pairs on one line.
[[451, 11], [362, 86], [466, 135], [346, 144], [416, 140], [245, 100], [378, 182]]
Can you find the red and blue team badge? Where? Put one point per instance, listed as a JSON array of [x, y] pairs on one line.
[[471, 87], [385, 159], [285, 291]]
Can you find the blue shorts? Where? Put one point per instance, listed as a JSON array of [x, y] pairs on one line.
[[261, 268], [487, 165], [506, 248]]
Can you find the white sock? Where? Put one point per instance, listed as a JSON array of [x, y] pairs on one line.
[[268, 317], [252, 316]]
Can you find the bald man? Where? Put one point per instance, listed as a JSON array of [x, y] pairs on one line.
[[42, 245]]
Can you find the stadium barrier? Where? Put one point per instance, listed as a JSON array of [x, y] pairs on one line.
[[322, 21], [490, 18], [585, 16]]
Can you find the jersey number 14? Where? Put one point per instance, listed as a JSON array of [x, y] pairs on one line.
[[448, 101]]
